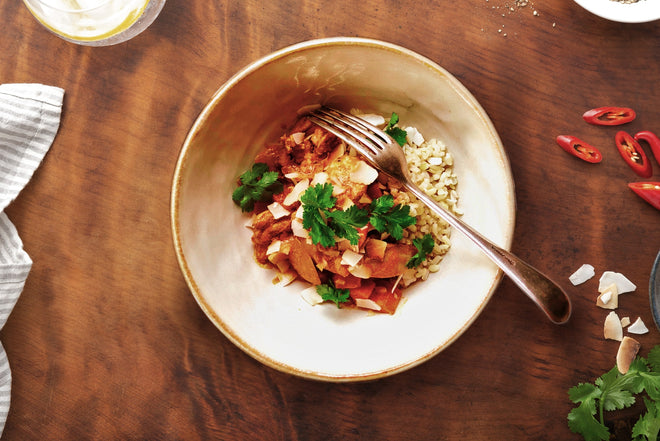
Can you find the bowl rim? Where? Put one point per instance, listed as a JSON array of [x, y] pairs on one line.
[[458, 87]]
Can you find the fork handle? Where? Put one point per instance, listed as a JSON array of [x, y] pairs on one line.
[[552, 300]]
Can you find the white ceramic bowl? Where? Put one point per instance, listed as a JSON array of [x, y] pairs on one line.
[[273, 324], [640, 12]]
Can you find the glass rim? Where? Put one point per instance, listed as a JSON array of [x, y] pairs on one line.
[[49, 4]]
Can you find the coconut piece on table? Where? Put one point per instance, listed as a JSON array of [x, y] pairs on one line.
[[612, 327], [623, 285], [609, 298], [626, 354], [638, 327], [582, 274]]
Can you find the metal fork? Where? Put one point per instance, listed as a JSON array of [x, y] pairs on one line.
[[385, 154]]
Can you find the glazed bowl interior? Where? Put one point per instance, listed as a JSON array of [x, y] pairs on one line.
[[274, 324]]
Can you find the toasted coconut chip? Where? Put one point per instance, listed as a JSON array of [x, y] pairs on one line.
[[311, 296], [319, 178], [350, 258], [623, 285], [638, 327], [274, 247], [372, 118], [626, 354], [609, 298], [277, 210], [297, 190], [298, 229], [612, 328], [368, 304], [584, 273], [414, 137], [364, 174], [360, 271], [284, 279], [625, 321], [298, 137]]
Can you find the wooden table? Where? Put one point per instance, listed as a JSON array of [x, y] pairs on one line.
[[106, 341]]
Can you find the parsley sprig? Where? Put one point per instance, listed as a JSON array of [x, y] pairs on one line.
[[615, 391], [389, 218], [328, 292], [257, 185], [397, 133], [424, 246], [325, 222]]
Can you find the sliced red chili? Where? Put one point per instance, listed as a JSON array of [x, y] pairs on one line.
[[633, 154], [579, 148], [609, 116], [649, 191], [652, 140]]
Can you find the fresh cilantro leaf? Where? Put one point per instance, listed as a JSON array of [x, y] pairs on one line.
[[317, 201], [345, 222], [257, 185], [648, 425], [325, 224], [390, 218], [650, 382], [424, 247], [397, 133], [615, 391], [654, 358], [330, 293], [581, 420]]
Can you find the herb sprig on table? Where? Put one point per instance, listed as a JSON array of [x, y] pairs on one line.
[[616, 391]]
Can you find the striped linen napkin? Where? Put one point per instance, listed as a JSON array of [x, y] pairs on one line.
[[29, 120]]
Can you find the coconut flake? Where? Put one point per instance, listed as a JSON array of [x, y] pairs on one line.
[[638, 327], [277, 210], [319, 178], [295, 193], [413, 136], [284, 279], [367, 304], [364, 174], [298, 137], [612, 327], [584, 273], [350, 258], [609, 298], [627, 352], [298, 229], [625, 321], [311, 296], [360, 271], [372, 118], [623, 285], [274, 247]]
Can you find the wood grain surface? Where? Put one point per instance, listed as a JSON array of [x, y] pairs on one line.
[[106, 341]]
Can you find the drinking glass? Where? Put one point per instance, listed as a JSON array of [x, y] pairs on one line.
[[95, 22]]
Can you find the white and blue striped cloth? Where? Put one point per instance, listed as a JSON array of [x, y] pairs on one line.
[[29, 119]]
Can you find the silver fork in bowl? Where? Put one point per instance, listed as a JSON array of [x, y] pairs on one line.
[[383, 152]]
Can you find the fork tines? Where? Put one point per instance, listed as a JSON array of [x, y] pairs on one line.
[[354, 131]]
